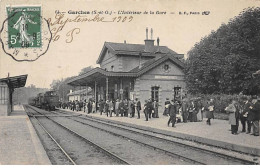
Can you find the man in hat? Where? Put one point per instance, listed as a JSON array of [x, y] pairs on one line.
[[185, 110], [125, 108], [121, 108], [167, 104], [107, 107], [210, 111], [89, 106], [255, 115], [172, 113], [146, 110], [138, 107], [244, 115], [101, 106], [149, 107], [155, 109]]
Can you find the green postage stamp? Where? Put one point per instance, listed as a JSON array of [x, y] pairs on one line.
[[25, 34], [24, 27]]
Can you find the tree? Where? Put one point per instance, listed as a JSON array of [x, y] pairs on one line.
[[85, 70], [223, 62], [55, 84], [62, 88]]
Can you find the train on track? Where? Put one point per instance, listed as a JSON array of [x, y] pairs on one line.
[[48, 100]]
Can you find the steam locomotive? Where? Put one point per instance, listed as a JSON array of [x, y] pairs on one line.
[[48, 100]]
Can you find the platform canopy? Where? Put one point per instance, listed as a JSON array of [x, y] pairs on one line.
[[97, 74], [15, 81]]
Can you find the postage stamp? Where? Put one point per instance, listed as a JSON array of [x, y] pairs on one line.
[[24, 29], [25, 35]]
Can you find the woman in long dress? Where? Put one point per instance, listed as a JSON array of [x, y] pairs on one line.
[[130, 108], [22, 26], [210, 111], [93, 107], [199, 107], [192, 112]]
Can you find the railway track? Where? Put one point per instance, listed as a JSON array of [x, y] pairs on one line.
[[116, 158], [216, 152], [58, 145], [152, 155], [175, 147]]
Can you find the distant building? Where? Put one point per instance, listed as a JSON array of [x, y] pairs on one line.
[[80, 95], [129, 71]]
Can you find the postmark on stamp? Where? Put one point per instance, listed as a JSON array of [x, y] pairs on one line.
[[24, 29], [25, 35]]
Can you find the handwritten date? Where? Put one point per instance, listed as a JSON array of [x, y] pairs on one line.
[[60, 21]]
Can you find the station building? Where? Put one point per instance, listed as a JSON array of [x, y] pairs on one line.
[[82, 94], [129, 71]]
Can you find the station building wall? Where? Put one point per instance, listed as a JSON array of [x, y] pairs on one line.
[[157, 77], [130, 62], [121, 63], [111, 60]]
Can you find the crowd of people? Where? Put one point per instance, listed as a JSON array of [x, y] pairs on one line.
[[245, 109]]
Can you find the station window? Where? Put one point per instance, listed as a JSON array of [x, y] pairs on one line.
[[177, 92], [112, 68], [155, 93]]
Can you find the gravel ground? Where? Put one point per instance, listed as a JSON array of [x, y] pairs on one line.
[[130, 151], [182, 141], [221, 151], [201, 156], [56, 156], [80, 151]]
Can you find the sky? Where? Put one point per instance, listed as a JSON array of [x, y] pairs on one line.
[[178, 32]]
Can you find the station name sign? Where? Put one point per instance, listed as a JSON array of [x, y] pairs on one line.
[[168, 77]]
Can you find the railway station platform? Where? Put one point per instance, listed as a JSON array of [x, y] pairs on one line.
[[217, 134], [19, 143]]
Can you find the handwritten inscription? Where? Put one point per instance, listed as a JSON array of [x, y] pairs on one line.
[[71, 33], [60, 21]]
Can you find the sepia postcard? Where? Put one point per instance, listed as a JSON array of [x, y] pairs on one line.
[[129, 82]]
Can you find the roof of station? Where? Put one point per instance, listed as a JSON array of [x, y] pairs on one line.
[[133, 50], [98, 73], [15, 81]]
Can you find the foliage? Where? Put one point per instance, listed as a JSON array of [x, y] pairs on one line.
[[223, 62], [85, 70], [21, 95], [62, 88]]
